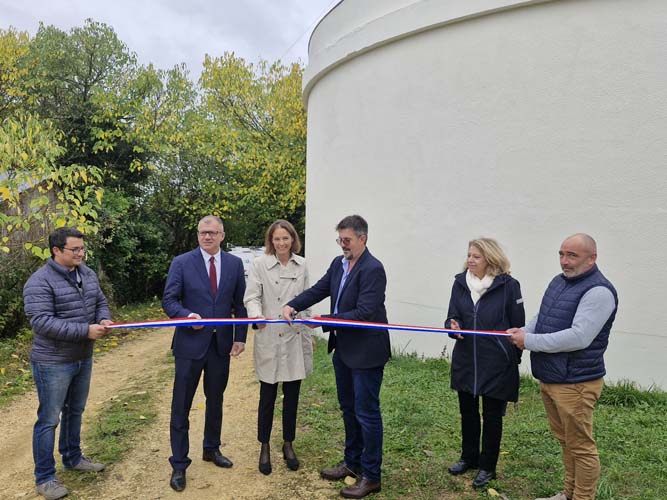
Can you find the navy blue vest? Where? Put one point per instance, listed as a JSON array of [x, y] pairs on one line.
[[557, 311]]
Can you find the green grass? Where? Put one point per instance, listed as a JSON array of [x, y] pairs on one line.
[[15, 371], [422, 436]]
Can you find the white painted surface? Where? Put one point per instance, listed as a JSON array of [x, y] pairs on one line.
[[527, 123]]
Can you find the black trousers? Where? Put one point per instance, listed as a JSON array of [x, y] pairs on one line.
[[267, 402], [491, 430], [187, 375]]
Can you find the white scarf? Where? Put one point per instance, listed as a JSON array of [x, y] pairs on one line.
[[477, 286]]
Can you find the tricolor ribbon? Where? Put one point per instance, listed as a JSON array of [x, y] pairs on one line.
[[317, 321]]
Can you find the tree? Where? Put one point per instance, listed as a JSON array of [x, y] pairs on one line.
[[256, 135], [72, 76], [143, 225], [123, 120], [14, 47], [135, 155], [38, 192]]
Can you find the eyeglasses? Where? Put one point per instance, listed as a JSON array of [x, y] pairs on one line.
[[76, 250], [343, 241], [203, 234]]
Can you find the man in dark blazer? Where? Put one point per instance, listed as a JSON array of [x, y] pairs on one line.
[[356, 284], [203, 283]]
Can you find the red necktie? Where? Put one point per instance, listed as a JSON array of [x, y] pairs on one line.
[[213, 276]]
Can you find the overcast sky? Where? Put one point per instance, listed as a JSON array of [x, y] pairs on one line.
[[168, 32]]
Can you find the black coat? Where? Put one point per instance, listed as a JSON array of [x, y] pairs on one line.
[[487, 365]]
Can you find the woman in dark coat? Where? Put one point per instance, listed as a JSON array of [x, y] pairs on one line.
[[484, 297]]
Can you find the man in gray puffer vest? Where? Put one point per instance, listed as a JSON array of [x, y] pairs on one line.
[[68, 312], [568, 339]]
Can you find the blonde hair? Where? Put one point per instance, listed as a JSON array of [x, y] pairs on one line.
[[496, 260]]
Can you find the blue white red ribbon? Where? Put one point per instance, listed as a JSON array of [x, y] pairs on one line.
[[316, 321]]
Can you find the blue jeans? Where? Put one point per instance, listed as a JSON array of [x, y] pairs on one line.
[[359, 399], [61, 388]]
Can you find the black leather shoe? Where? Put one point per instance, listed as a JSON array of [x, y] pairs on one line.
[[460, 467], [177, 481], [217, 458], [339, 471], [360, 489], [290, 456], [265, 459], [483, 477]]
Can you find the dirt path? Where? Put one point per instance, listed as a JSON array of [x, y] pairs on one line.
[[144, 474]]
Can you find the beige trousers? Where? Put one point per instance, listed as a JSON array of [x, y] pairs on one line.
[[570, 413]]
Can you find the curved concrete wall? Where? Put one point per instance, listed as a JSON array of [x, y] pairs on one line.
[[524, 121]]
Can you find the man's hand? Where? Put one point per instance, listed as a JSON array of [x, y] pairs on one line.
[[96, 331], [289, 313], [237, 348], [195, 316], [106, 322], [454, 325], [518, 337]]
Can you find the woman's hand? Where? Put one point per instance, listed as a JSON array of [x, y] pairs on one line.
[[260, 326], [454, 325]]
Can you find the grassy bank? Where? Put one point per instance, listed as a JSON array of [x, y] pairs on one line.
[[422, 437]]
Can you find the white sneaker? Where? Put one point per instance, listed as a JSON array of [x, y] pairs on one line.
[[52, 490], [86, 464], [558, 496]]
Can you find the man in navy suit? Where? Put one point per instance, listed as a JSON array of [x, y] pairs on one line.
[[203, 283], [356, 284]]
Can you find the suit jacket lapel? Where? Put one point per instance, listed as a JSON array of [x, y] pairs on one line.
[[224, 274]]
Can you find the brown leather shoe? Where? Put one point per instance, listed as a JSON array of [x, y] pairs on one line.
[[362, 488], [339, 471]]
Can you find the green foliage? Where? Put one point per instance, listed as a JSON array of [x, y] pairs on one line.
[[257, 137], [422, 437], [134, 242], [38, 192], [72, 73], [15, 372], [14, 47], [12, 278], [134, 156]]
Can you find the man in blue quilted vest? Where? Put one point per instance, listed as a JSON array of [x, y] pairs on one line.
[[567, 340]]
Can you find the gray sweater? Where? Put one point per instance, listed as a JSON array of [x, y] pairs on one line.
[[60, 312]]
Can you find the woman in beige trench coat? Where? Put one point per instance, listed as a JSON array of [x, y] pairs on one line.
[[282, 352]]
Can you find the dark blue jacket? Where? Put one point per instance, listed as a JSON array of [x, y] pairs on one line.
[[188, 290], [558, 308], [362, 299], [60, 312], [482, 365]]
